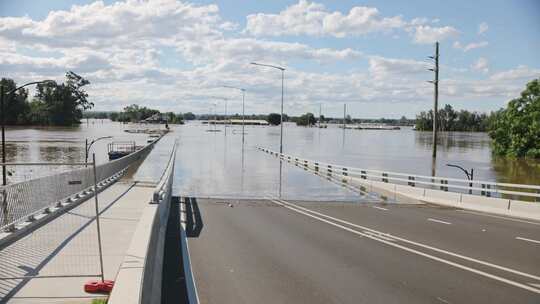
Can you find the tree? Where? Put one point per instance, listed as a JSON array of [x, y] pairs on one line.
[[516, 129], [274, 119], [65, 102], [15, 104], [307, 119], [189, 116]]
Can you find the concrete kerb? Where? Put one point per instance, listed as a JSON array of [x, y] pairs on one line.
[[409, 194]]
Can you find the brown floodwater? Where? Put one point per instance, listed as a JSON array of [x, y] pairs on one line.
[[217, 164]]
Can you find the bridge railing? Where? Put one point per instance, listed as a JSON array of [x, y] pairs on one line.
[[22, 201], [446, 184]]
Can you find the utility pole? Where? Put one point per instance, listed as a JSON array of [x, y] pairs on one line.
[[320, 114], [344, 115], [436, 98]]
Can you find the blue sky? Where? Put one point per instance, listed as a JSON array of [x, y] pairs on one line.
[[371, 55]]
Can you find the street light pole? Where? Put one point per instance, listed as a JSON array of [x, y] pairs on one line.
[[88, 146], [282, 93], [470, 175], [243, 114], [282, 69], [4, 178], [2, 93], [281, 116], [243, 107]]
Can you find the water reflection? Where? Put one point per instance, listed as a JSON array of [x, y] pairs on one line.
[[519, 171], [227, 164], [448, 141]]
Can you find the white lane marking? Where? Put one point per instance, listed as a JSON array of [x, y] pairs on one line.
[[527, 240], [439, 221], [524, 274], [473, 270], [380, 208], [500, 217], [381, 236]]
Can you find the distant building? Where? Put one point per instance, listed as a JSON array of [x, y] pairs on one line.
[[252, 122], [155, 119]]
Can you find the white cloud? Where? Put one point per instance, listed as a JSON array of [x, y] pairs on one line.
[[380, 67], [470, 46], [522, 72], [481, 64], [425, 34], [482, 28], [309, 18], [127, 50]]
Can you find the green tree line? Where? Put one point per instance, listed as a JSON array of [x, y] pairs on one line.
[[53, 104], [136, 113], [516, 129], [452, 120]]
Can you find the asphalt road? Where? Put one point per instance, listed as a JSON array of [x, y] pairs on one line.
[[271, 251]]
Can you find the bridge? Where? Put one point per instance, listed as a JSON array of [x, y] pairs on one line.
[[408, 239]]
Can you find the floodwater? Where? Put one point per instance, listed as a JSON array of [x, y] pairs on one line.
[[217, 164]]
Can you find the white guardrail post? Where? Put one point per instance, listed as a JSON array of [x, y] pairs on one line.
[[520, 199]]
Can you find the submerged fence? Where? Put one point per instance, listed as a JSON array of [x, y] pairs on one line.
[[471, 187], [23, 200]]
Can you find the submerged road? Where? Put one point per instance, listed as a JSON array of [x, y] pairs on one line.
[[274, 251]]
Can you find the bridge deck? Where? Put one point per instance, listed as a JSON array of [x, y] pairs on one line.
[[63, 254], [263, 252]]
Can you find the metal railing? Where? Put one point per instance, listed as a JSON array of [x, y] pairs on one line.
[[474, 187], [23, 200]]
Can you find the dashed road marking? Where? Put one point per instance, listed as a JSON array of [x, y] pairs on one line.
[[527, 240], [439, 221], [380, 208]]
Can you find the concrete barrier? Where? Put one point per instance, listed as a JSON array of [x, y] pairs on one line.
[[128, 282], [500, 206], [139, 279]]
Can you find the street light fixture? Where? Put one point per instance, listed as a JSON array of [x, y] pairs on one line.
[[282, 84], [243, 106], [9, 93], [470, 175], [88, 146]]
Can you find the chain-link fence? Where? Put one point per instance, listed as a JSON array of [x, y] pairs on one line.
[[22, 200]]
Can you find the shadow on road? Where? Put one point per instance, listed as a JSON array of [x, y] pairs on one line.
[[194, 223]]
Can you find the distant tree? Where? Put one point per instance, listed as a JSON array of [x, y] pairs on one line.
[[174, 118], [15, 104], [307, 119], [322, 119], [274, 119], [348, 119], [189, 116], [65, 102], [450, 120], [516, 129]]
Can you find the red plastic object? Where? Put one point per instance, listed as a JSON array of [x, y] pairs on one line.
[[98, 286]]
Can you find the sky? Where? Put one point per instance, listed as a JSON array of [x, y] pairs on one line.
[[371, 55]]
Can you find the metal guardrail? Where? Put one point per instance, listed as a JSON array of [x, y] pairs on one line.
[[23, 200], [151, 284], [474, 187]]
